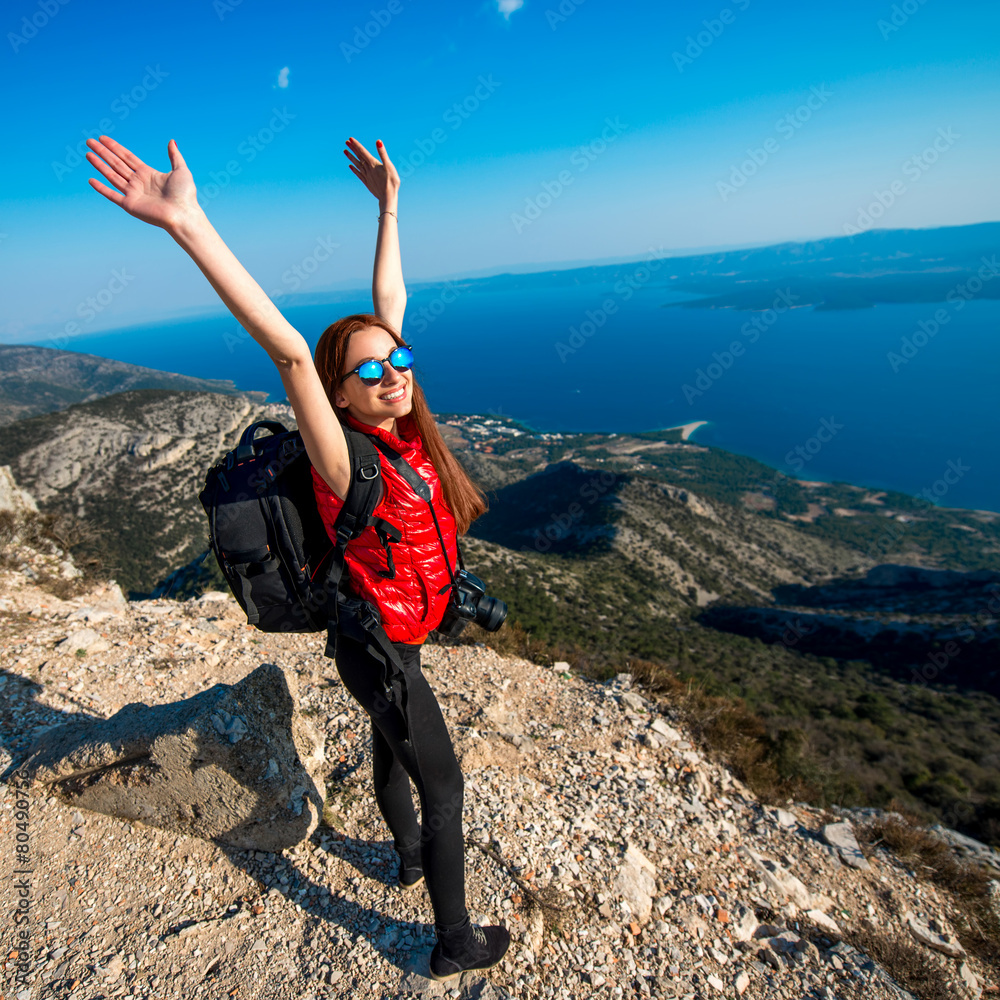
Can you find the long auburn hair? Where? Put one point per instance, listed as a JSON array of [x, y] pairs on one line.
[[465, 498]]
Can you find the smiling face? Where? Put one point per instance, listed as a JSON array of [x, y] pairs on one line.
[[371, 404]]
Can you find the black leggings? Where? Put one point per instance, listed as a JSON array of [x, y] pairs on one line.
[[426, 755]]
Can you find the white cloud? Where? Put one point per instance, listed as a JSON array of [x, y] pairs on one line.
[[283, 77], [507, 7]]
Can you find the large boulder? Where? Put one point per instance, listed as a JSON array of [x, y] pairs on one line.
[[236, 764]]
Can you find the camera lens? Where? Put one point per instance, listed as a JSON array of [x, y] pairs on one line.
[[490, 613]]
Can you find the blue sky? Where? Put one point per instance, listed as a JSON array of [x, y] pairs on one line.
[[532, 132]]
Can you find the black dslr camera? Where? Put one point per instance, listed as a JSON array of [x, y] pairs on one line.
[[470, 603]]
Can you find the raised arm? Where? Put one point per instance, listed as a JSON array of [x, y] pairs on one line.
[[381, 178], [169, 200]]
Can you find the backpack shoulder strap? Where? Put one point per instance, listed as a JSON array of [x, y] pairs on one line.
[[365, 490], [363, 495], [416, 481]]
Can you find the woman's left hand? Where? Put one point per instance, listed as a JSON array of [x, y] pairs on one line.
[[379, 177]]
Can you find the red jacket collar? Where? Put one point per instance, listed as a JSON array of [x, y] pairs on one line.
[[409, 439]]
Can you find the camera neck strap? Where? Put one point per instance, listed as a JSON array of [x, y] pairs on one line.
[[423, 490]]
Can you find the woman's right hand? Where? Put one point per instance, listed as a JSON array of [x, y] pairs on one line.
[[380, 178], [157, 198]]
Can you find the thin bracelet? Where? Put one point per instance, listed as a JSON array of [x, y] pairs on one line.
[[393, 214]]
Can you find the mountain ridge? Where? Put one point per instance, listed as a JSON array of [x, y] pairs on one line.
[[36, 380]]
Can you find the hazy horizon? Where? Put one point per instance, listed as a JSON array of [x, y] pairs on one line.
[[122, 322], [364, 285]]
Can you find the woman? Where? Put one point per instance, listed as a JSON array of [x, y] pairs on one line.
[[361, 375]]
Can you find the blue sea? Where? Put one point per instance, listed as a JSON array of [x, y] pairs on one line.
[[875, 397]]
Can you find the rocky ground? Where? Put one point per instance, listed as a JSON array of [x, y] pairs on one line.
[[625, 863]]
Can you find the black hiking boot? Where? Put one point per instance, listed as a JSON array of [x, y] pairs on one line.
[[410, 875], [411, 870], [466, 948]]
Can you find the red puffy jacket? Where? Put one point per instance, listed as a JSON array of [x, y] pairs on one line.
[[410, 604]]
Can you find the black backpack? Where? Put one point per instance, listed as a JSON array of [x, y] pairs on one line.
[[274, 550]]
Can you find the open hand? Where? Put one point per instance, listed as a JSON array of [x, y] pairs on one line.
[[157, 198], [379, 177]]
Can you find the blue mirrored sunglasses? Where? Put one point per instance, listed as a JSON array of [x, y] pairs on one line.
[[371, 372]]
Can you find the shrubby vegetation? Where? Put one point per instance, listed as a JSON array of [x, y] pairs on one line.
[[794, 725]]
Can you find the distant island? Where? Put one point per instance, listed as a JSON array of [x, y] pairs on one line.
[[879, 266], [950, 264]]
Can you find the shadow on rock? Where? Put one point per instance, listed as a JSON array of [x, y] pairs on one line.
[[236, 764]]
